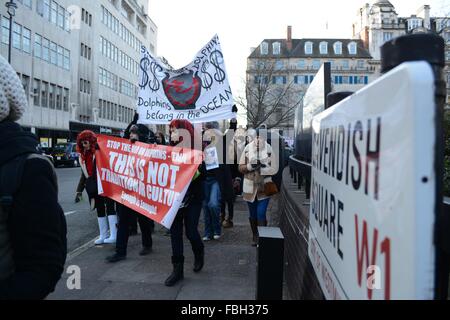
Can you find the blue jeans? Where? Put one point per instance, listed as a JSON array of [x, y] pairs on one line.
[[211, 207], [258, 209]]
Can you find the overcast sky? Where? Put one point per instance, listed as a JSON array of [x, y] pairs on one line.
[[184, 27]]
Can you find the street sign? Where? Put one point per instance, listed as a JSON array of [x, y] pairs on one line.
[[373, 190]]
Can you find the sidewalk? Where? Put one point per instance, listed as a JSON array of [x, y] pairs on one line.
[[229, 272]]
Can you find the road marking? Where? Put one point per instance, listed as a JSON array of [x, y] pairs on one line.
[[80, 249], [69, 213]]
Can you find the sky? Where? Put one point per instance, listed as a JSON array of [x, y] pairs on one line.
[[184, 27]]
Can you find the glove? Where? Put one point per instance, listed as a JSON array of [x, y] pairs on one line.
[[78, 197], [234, 109], [136, 117]]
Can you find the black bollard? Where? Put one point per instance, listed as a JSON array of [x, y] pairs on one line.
[[269, 278], [430, 48]]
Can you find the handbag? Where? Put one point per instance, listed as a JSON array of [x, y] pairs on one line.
[[270, 188]]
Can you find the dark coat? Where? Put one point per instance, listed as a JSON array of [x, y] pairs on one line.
[[36, 224]]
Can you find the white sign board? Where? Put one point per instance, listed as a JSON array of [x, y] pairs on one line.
[[199, 92], [373, 190]]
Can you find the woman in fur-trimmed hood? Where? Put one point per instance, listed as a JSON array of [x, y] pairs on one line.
[[106, 212]]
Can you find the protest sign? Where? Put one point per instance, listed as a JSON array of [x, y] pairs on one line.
[[199, 92], [150, 179]]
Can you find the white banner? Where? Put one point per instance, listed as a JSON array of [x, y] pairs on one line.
[[373, 190], [199, 92]]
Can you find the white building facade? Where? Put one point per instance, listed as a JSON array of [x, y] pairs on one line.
[[379, 22], [78, 61]]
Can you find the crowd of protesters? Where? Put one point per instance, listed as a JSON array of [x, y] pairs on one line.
[[33, 247]]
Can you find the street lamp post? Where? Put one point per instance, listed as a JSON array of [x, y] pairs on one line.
[[12, 12]]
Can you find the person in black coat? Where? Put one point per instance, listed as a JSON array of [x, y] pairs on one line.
[[188, 214], [33, 244], [134, 132]]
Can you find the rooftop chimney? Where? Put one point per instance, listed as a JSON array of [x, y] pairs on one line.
[[289, 38]]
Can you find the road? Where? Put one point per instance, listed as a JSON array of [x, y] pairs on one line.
[[81, 222]]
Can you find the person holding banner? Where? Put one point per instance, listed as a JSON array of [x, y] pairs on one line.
[[86, 146], [258, 164], [135, 132], [189, 211]]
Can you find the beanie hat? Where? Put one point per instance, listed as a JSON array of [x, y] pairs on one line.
[[13, 99]]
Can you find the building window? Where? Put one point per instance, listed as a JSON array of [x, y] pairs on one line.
[[345, 65], [279, 65], [323, 47], [26, 40], [61, 12], [66, 59], [301, 79], [53, 12], [276, 48], [360, 80], [52, 96], [60, 57], [26, 84], [337, 48], [316, 64], [360, 64], [66, 99], [37, 46], [36, 92], [17, 35], [308, 47], [279, 80], [387, 36], [46, 50], [81, 85], [59, 98], [5, 30], [53, 53], [352, 47], [264, 48], [44, 94]]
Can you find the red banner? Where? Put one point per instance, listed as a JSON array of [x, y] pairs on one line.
[[150, 179]]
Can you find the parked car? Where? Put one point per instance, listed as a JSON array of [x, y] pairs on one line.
[[41, 150], [66, 154]]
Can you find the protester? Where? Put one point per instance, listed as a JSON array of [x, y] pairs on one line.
[[218, 184], [134, 132], [258, 163], [160, 138], [33, 243], [189, 211], [234, 144], [106, 212]]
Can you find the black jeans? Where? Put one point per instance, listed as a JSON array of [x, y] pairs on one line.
[[105, 206], [123, 231], [190, 216], [230, 204]]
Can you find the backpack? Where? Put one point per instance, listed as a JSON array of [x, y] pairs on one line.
[[11, 178]]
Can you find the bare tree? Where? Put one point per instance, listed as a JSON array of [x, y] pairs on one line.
[[268, 101]]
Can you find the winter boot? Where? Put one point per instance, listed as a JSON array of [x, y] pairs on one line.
[[177, 273], [199, 260], [112, 229], [103, 227], [254, 226]]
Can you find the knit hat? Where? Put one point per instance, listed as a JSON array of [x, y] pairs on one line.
[[13, 99]]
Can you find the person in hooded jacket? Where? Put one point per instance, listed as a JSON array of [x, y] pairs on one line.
[[188, 214], [135, 132], [33, 244], [106, 212]]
